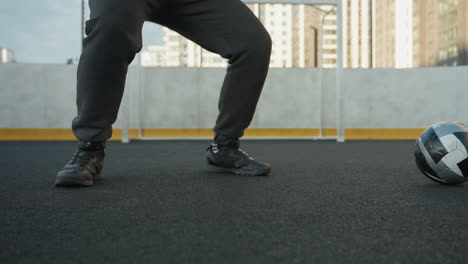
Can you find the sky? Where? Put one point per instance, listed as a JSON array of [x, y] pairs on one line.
[[48, 31]]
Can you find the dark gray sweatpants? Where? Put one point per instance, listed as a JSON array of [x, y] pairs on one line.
[[226, 27]]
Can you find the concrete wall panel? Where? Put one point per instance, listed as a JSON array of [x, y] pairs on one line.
[[43, 96], [290, 99]]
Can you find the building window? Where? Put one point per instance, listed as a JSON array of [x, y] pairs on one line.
[[452, 19], [442, 54], [452, 52]]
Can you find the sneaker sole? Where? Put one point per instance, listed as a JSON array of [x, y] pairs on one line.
[[72, 181], [244, 172]]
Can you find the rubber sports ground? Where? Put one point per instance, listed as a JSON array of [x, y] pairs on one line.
[[324, 202]]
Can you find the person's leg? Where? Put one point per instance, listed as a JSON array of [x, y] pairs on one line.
[[113, 39], [228, 28]]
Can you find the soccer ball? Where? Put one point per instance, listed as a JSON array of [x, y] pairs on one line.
[[441, 153]]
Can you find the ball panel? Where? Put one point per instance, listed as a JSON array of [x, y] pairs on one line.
[[463, 137], [463, 166], [452, 143], [433, 145], [422, 162], [448, 177], [452, 159], [456, 153], [426, 135], [440, 172], [447, 128]]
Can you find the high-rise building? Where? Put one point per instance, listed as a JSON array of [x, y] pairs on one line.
[[441, 32], [181, 52], [403, 34], [329, 41], [392, 33], [420, 33], [357, 33], [295, 31], [307, 35], [175, 46], [277, 19], [153, 56], [7, 55], [383, 45], [376, 34]]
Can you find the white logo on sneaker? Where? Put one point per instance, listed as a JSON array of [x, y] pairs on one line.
[[214, 148]]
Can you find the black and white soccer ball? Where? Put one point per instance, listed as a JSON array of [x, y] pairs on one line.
[[441, 153]]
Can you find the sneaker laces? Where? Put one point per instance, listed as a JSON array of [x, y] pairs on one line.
[[81, 157], [244, 153], [86, 151], [215, 149]]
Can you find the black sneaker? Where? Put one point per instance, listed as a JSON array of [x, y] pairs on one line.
[[85, 166], [221, 158]]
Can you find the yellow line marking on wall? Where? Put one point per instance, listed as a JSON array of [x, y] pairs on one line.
[[58, 134]]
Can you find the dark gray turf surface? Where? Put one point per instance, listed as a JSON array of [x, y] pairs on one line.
[[325, 202]]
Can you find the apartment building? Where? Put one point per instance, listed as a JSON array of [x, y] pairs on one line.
[[440, 30], [376, 34]]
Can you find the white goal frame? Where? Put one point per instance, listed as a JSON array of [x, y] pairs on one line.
[[339, 79]]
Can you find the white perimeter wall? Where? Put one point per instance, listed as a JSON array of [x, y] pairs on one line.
[[43, 96]]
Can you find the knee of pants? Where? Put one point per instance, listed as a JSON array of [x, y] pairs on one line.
[[257, 45], [116, 37]]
